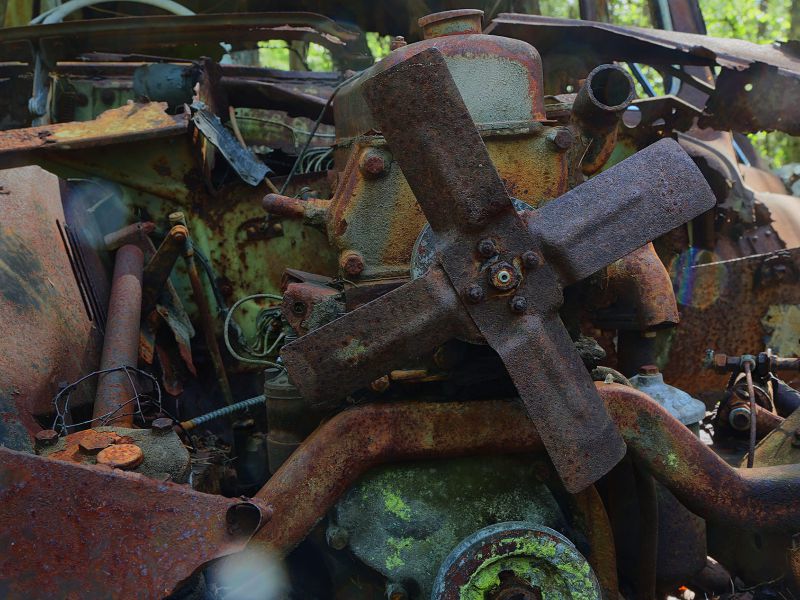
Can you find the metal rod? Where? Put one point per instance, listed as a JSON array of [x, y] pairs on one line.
[[221, 412], [121, 342], [157, 271], [748, 365], [332, 459], [204, 309]]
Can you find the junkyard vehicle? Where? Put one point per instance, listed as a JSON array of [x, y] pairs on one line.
[[431, 326]]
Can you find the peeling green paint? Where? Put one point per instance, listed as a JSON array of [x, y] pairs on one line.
[[672, 460]]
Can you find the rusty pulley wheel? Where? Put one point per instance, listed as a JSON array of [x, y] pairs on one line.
[[496, 277], [515, 561]]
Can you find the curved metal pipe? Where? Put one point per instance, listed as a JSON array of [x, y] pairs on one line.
[[341, 450], [641, 280], [598, 109]]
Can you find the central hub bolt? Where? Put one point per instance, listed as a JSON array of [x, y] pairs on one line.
[[503, 276]]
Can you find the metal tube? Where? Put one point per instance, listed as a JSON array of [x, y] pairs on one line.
[[157, 271], [208, 325], [332, 458], [121, 342], [221, 412]]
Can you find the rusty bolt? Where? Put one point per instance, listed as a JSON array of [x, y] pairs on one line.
[[487, 248], [503, 276], [395, 591], [352, 262], [648, 370], [46, 437], [531, 259], [518, 304], [474, 293], [397, 42], [372, 163], [380, 385], [162, 425], [561, 138]]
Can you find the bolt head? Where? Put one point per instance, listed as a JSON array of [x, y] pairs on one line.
[[487, 248], [352, 262], [474, 293], [518, 304], [531, 259], [561, 138], [398, 42], [162, 425], [46, 437], [372, 163]]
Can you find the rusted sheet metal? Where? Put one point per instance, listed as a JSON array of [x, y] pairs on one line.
[[115, 392], [143, 34], [592, 519], [105, 533], [48, 336], [129, 123], [711, 294], [757, 99], [649, 46], [340, 451]]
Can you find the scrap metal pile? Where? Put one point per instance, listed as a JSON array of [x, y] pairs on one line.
[[476, 320]]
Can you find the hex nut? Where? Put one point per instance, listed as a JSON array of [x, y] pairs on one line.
[[46, 437], [351, 262], [531, 259], [162, 425]]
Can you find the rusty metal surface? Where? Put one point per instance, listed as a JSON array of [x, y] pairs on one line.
[[142, 34], [641, 280], [130, 123], [49, 337], [115, 390], [466, 204], [156, 272], [649, 46], [342, 449], [105, 533], [711, 291]]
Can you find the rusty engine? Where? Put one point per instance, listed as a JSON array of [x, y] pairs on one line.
[[471, 321]]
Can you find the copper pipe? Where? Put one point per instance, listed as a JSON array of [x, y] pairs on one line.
[[121, 341], [341, 450]]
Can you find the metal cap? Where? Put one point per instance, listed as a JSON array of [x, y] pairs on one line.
[[451, 22]]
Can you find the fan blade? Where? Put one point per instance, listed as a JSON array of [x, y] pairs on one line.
[[433, 138], [581, 439], [614, 213], [391, 331]]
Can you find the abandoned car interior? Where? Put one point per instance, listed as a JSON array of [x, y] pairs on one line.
[[492, 305]]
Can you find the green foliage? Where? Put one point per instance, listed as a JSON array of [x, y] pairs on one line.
[[759, 21], [280, 54], [378, 44]]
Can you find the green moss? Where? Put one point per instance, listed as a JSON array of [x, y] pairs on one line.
[[395, 505], [394, 560]]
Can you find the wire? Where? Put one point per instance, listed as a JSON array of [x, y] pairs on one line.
[[226, 332], [748, 365], [221, 412], [314, 130], [60, 424]]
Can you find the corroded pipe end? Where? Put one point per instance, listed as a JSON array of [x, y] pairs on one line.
[[608, 90]]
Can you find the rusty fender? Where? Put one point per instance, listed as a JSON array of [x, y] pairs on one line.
[[340, 451], [641, 279]]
